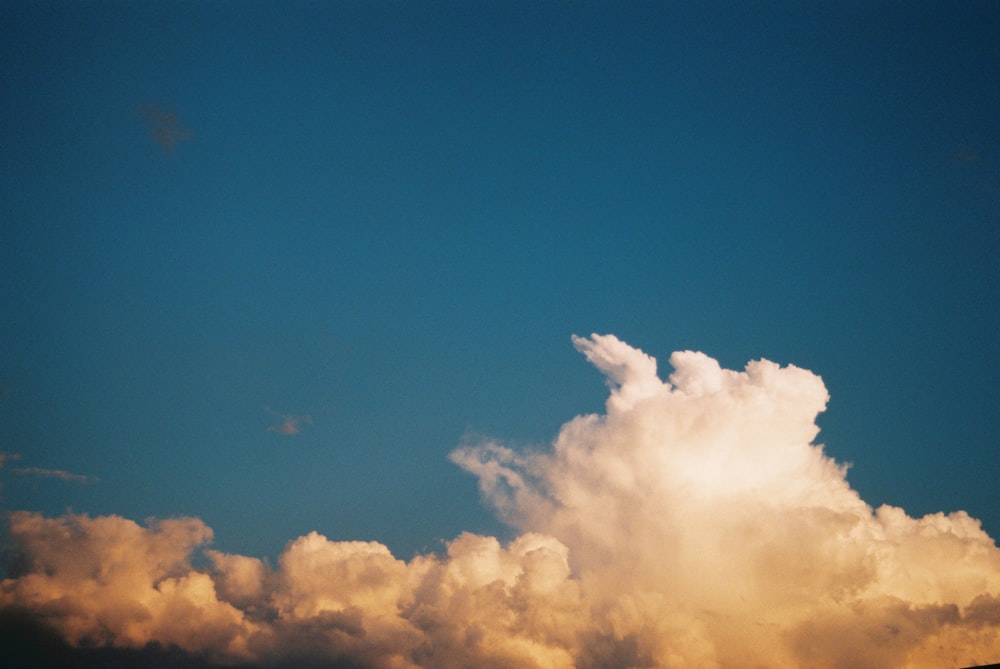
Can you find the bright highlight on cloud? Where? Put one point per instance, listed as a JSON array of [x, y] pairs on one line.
[[694, 524]]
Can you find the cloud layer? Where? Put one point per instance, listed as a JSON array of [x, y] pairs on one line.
[[694, 524]]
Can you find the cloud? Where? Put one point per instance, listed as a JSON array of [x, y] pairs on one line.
[[4, 459], [695, 523], [109, 581], [164, 127], [966, 153], [54, 474], [290, 424], [8, 457]]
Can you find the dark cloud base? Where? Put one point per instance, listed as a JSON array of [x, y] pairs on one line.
[[27, 642]]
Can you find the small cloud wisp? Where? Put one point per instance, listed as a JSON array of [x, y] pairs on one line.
[[8, 457], [54, 474], [693, 524], [164, 127], [290, 425]]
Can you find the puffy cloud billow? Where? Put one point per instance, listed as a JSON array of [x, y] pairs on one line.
[[694, 524]]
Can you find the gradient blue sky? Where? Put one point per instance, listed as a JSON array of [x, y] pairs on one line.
[[390, 217]]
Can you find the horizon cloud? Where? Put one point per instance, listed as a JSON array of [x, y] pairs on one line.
[[695, 523]]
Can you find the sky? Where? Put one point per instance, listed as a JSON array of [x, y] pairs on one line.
[[288, 289]]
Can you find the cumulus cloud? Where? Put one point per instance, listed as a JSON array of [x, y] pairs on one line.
[[695, 523]]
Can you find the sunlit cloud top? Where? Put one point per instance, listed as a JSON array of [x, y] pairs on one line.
[[695, 523]]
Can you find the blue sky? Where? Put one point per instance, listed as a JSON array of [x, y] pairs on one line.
[[389, 218]]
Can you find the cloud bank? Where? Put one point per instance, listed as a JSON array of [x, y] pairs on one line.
[[694, 524]]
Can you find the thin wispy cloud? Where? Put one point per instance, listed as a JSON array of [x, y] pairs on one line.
[[4, 459], [965, 154], [976, 165], [290, 425], [164, 126], [54, 474], [694, 523]]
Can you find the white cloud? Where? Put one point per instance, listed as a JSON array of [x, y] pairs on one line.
[[694, 524]]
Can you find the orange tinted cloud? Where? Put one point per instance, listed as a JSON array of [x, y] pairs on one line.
[[693, 524]]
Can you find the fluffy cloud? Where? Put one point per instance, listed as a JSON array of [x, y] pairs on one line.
[[693, 524], [109, 581]]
